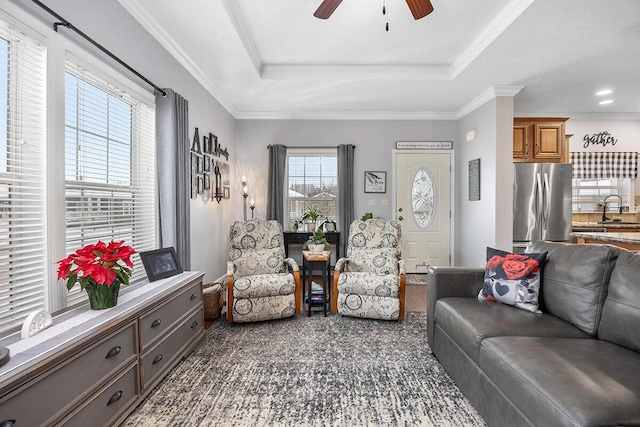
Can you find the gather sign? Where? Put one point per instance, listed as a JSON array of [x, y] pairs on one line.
[[603, 138]]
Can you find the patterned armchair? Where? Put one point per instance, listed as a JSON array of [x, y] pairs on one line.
[[370, 281], [261, 283]]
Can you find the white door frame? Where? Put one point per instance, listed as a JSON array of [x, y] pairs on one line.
[[453, 198]]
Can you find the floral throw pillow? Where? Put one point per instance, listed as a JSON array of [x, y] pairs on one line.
[[513, 279]]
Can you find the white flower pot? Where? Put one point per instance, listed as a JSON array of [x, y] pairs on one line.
[[316, 249]]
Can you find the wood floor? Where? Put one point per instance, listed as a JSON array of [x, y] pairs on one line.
[[415, 298]]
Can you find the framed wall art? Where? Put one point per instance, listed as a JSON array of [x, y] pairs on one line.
[[375, 182]]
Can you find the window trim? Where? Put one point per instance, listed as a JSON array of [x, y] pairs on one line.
[[299, 152]]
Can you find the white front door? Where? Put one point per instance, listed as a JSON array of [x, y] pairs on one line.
[[423, 208]]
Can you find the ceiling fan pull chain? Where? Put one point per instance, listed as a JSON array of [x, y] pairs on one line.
[[384, 12]]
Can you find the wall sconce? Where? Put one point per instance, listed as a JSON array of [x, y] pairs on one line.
[[245, 193], [216, 193], [252, 206]]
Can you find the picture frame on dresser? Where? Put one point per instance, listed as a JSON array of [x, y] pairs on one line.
[[160, 263]]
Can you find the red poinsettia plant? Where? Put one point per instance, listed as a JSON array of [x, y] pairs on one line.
[[101, 263]]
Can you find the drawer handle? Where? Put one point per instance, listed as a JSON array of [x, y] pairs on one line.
[[194, 324], [7, 423], [156, 322], [193, 296], [115, 350], [116, 396], [157, 359]]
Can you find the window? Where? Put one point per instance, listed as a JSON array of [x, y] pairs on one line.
[[109, 167], [312, 181], [587, 193], [22, 166]]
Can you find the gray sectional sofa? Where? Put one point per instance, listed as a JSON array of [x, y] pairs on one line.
[[576, 364]]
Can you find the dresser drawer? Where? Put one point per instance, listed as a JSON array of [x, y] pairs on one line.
[[52, 394], [157, 322], [109, 403], [162, 355]]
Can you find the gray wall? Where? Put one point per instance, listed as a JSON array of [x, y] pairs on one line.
[[374, 141], [110, 25], [485, 222]]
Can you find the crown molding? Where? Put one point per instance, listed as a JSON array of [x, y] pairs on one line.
[[233, 11], [497, 26], [374, 72], [583, 116], [488, 95], [174, 49], [347, 115]]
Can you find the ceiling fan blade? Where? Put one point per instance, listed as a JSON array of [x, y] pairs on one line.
[[420, 8], [326, 8]]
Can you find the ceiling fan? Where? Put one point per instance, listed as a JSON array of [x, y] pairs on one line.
[[419, 8]]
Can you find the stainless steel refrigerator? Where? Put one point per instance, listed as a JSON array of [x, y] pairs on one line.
[[541, 202]]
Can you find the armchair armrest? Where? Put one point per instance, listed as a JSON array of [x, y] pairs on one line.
[[231, 268], [443, 282], [340, 264], [292, 264]]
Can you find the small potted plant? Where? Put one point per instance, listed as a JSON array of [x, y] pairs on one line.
[[328, 225], [316, 243], [367, 215], [99, 269], [294, 224], [311, 217]]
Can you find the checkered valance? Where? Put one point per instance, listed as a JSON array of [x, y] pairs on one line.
[[604, 165]]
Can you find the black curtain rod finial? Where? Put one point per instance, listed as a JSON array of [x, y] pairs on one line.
[[57, 24]]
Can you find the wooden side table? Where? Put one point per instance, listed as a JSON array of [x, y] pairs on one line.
[[321, 261]]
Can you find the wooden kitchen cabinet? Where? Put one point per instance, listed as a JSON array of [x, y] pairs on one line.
[[540, 139]]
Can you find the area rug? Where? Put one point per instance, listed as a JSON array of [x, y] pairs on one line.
[[416, 279], [309, 371]]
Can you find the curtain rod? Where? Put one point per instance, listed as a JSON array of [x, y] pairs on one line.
[[63, 22], [310, 146]]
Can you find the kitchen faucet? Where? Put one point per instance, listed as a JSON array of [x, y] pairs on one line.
[[604, 206]]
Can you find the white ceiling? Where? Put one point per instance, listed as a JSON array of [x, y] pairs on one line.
[[273, 59]]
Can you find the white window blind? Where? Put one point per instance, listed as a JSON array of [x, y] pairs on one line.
[[22, 166], [109, 167]]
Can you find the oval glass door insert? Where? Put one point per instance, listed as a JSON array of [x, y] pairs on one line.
[[423, 198]]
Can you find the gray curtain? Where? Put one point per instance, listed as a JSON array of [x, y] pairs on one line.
[[346, 192], [172, 161], [275, 196]]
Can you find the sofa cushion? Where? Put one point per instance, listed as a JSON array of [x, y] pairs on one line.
[[363, 283], [257, 261], [575, 280], [469, 321], [374, 260], [513, 279], [569, 382], [264, 285], [620, 322]]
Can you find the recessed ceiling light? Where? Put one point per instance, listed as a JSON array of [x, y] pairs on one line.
[[603, 92], [606, 101]]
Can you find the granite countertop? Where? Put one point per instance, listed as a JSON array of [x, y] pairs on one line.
[[627, 238], [608, 224]]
